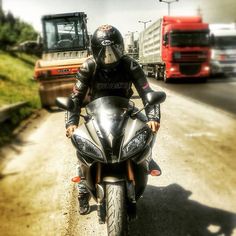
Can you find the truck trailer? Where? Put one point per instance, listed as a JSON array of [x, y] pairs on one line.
[[65, 48], [223, 56], [175, 47]]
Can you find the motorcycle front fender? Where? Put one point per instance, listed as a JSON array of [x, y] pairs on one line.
[[113, 179]]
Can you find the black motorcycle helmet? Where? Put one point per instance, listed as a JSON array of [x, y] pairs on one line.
[[107, 46]]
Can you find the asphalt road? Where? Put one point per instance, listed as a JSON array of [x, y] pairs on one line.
[[218, 92], [195, 196]]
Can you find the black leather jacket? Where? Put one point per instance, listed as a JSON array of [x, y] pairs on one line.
[[95, 82]]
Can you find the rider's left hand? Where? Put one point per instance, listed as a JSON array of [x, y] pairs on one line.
[[153, 125]]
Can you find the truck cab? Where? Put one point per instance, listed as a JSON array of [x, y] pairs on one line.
[[185, 47], [65, 48], [176, 47]]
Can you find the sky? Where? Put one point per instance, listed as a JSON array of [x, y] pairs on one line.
[[123, 14]]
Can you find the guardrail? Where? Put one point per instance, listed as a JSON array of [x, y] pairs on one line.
[[6, 111]]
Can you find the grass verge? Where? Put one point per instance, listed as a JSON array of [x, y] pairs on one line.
[[17, 85]]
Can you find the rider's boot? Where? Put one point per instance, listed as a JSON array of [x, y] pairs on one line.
[[84, 207], [153, 168], [84, 195]]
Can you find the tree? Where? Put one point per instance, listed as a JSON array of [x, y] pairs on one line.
[[27, 32], [2, 17], [14, 31]]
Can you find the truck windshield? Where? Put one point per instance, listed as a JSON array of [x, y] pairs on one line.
[[189, 39], [63, 34], [228, 42]]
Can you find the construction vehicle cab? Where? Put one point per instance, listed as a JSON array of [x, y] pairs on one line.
[[65, 48]]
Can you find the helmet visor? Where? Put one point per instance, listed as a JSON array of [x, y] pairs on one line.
[[110, 54]]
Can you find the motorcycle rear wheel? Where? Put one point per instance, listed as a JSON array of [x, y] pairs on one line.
[[116, 209]]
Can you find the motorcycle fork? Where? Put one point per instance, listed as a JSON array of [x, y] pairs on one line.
[[130, 185], [99, 171], [130, 172], [100, 195], [99, 186]]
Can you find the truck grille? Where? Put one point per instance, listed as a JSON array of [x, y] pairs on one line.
[[195, 56], [189, 68], [228, 69]]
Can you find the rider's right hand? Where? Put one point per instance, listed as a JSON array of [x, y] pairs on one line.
[[70, 130]]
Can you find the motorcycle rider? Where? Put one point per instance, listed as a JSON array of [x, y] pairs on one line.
[[108, 73]]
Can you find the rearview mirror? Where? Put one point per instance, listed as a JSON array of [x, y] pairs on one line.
[[65, 103], [152, 98], [156, 97]]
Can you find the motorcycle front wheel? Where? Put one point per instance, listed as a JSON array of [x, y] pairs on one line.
[[116, 209]]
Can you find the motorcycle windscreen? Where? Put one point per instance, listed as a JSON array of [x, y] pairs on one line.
[[109, 115]]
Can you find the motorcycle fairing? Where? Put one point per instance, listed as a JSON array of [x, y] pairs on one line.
[[111, 135], [133, 125], [88, 145], [109, 116]]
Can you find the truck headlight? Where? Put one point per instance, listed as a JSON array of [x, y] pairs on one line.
[[136, 144], [85, 147]]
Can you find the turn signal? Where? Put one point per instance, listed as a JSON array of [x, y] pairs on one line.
[[155, 173], [76, 179]]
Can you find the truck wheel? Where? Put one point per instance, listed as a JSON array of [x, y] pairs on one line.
[[116, 209], [203, 80], [166, 80], [45, 105], [43, 100], [156, 75]]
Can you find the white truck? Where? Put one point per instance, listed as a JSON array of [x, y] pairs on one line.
[[223, 54]]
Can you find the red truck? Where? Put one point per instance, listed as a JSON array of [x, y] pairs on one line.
[[176, 47]]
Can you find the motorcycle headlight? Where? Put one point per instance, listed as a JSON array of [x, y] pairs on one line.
[[87, 148], [136, 144]]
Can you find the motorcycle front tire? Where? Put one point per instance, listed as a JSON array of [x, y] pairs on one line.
[[116, 209]]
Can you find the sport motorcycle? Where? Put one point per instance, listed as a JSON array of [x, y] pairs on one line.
[[113, 146]]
